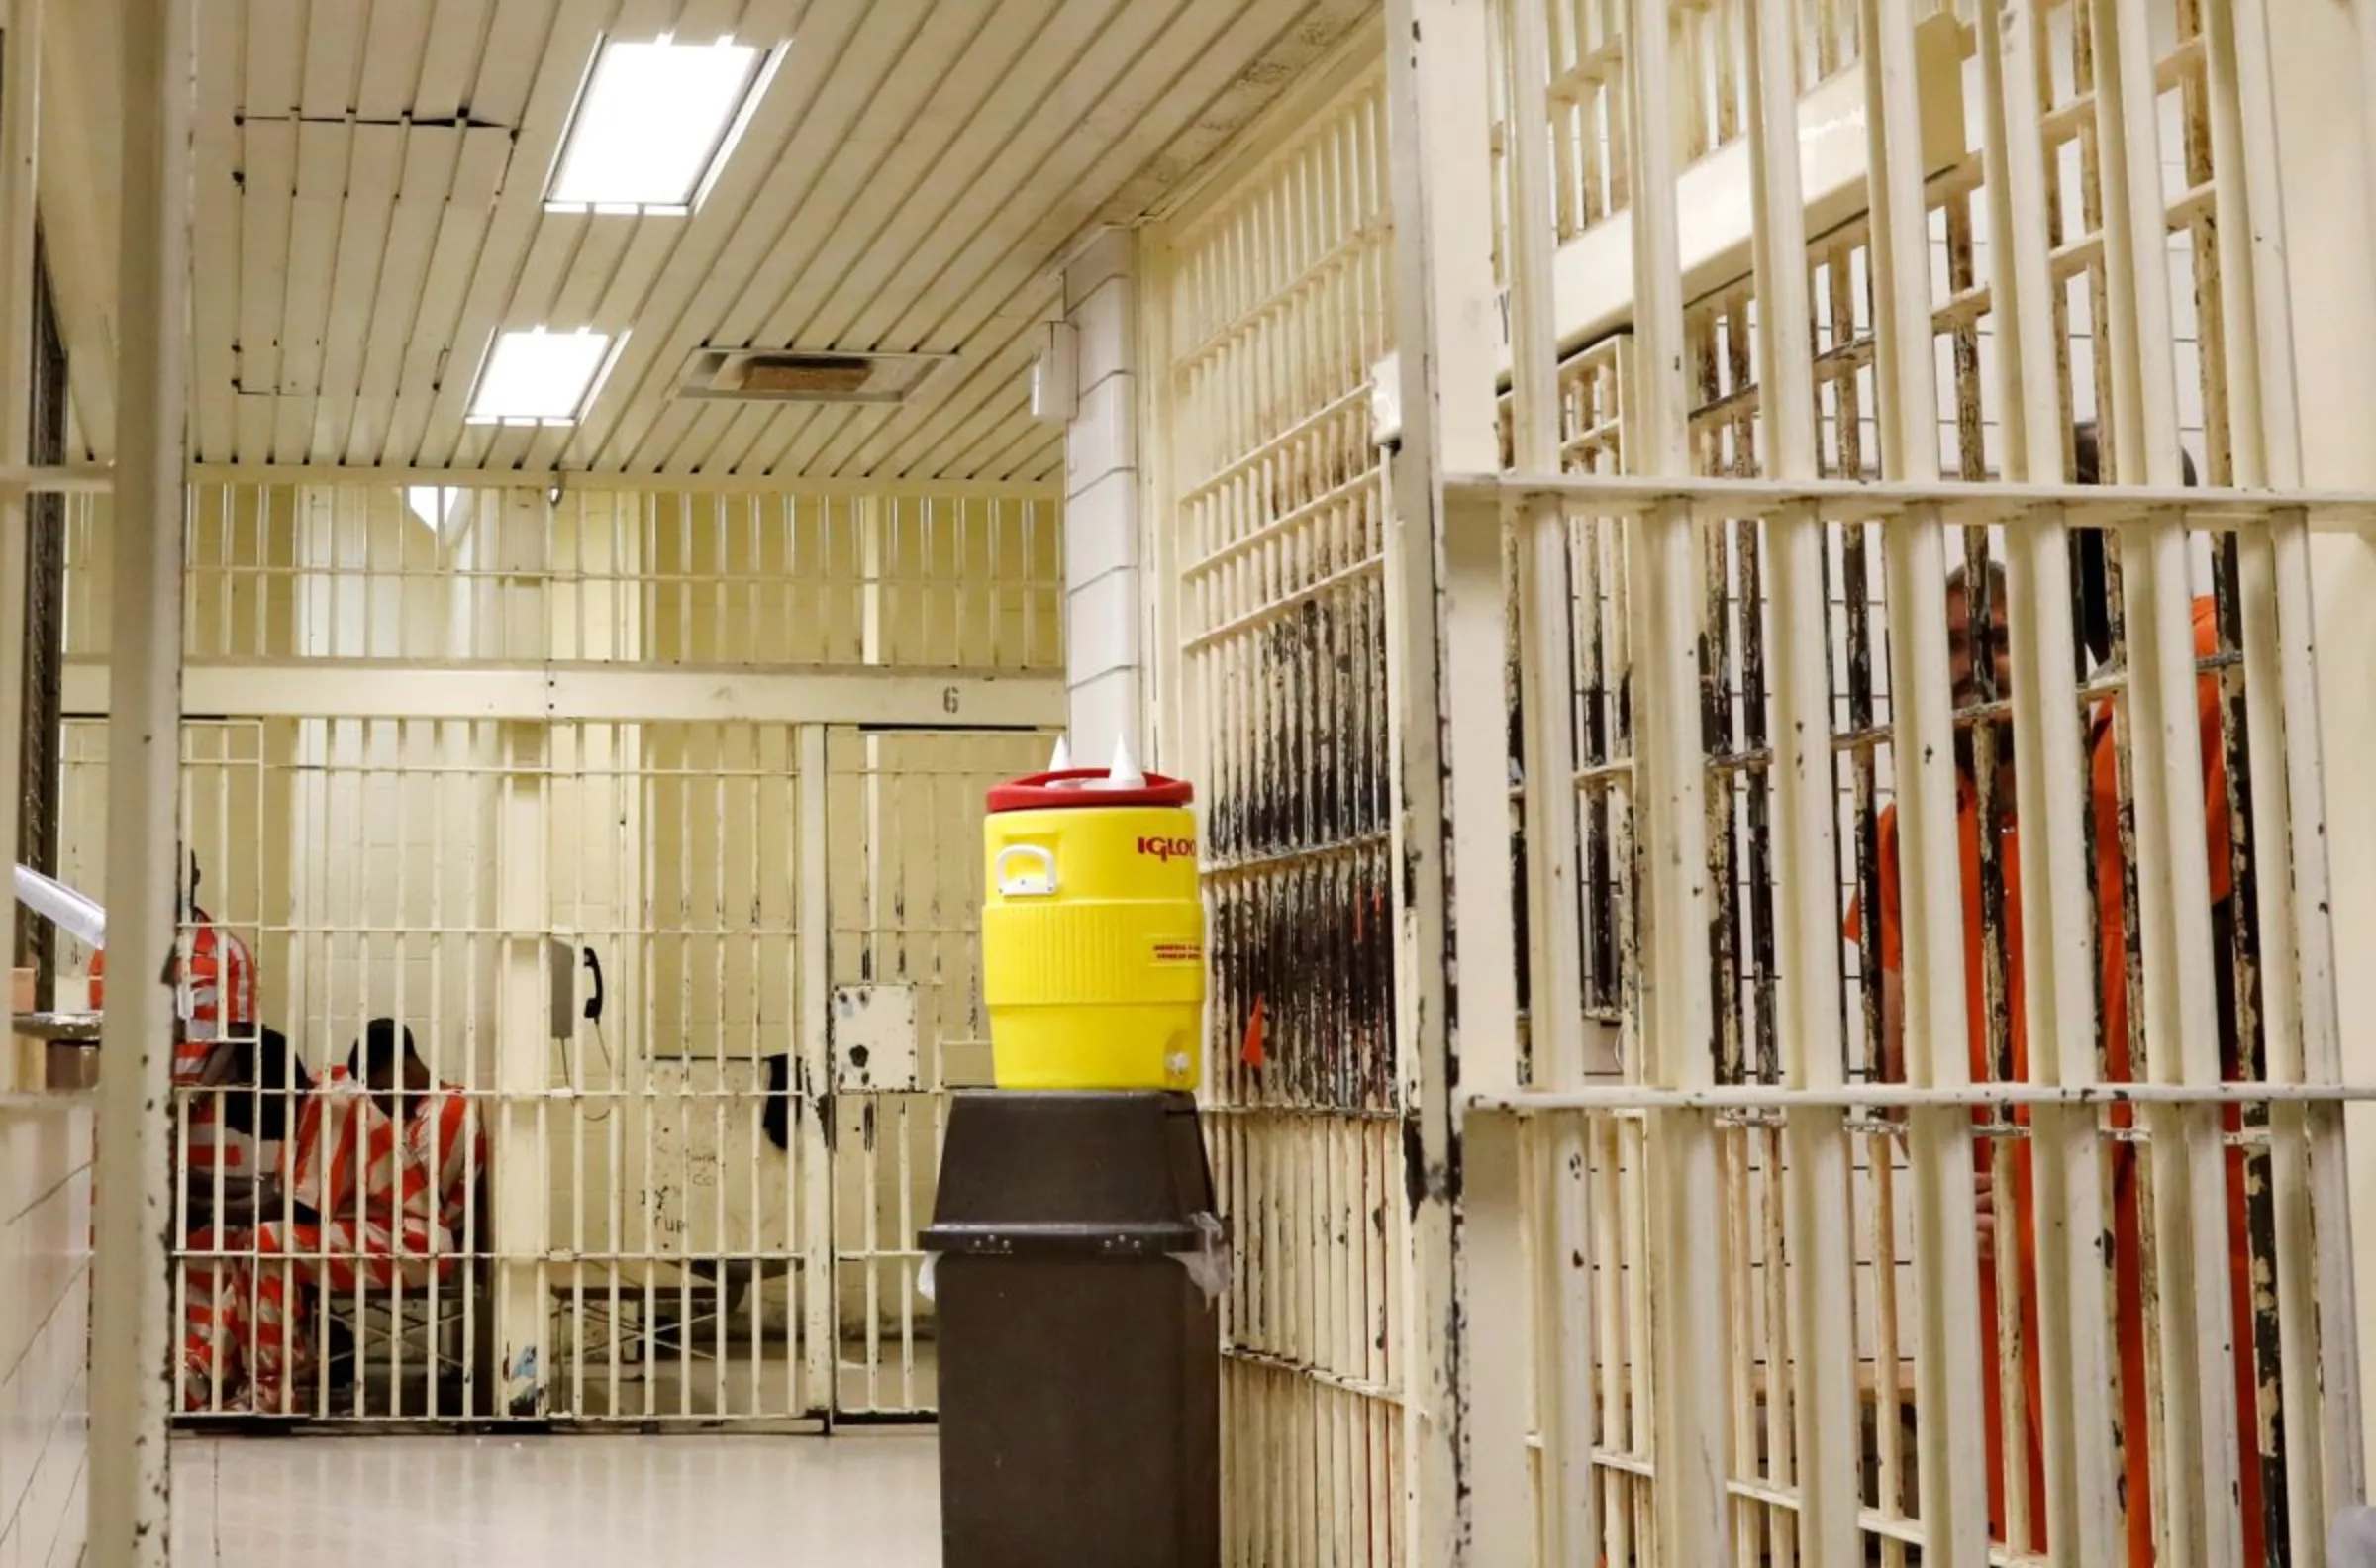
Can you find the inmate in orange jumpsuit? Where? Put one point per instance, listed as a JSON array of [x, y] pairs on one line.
[[219, 993], [2127, 1251], [374, 1201], [218, 999]]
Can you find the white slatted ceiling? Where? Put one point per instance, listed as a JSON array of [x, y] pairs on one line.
[[822, 259], [1072, 135], [912, 178], [1214, 75]]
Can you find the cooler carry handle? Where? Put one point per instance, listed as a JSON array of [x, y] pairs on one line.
[[1036, 881]]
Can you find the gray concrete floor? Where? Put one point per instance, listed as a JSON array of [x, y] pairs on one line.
[[586, 1502]]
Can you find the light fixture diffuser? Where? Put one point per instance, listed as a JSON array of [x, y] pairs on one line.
[[540, 377], [653, 122]]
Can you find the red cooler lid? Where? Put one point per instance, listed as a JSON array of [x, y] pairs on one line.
[[1083, 787]]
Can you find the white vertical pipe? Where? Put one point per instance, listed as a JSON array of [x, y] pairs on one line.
[[2058, 961], [1954, 1502], [130, 1498], [1687, 1262], [1566, 1368], [20, 104], [1822, 1267], [2179, 1005]]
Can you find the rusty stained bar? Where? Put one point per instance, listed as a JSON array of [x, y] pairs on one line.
[[1860, 685], [1714, 447], [2231, 419], [1678, 1035], [1811, 1158], [1955, 1513], [2176, 1001], [1557, 1164], [2079, 1425], [1985, 736], [2313, 1280]]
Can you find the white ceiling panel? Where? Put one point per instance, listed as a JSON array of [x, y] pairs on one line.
[[370, 179]]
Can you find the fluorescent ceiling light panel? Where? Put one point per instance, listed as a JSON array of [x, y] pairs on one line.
[[540, 377], [654, 122]]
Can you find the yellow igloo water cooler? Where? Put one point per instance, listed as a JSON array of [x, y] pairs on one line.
[[1093, 933]]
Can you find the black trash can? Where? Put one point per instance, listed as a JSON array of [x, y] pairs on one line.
[[1079, 1349]]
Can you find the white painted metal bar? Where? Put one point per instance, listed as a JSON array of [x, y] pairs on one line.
[[598, 692], [19, 169], [2058, 961], [19, 476], [1566, 1369], [2297, 980], [569, 481], [1467, 1414], [2263, 448], [719, 1236], [1935, 1039], [1922, 1096], [2342, 1457], [2200, 1435], [1915, 502], [815, 1299], [1690, 1341], [1814, 1145], [129, 1493], [519, 1216]]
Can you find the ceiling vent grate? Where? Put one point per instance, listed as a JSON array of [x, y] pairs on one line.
[[782, 375]]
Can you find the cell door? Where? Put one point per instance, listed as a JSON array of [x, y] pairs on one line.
[[704, 986], [904, 868], [686, 1187]]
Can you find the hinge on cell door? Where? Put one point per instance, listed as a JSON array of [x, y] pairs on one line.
[[871, 1040]]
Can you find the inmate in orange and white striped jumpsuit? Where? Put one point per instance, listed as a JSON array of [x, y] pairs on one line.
[[373, 1201], [217, 1002]]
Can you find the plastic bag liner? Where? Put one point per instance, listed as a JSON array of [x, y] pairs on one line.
[[2352, 1543], [1207, 1263]]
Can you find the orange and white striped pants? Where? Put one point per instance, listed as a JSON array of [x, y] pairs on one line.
[[247, 1343]]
